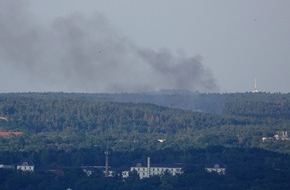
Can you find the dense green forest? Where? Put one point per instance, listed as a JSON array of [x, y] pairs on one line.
[[72, 121], [68, 130]]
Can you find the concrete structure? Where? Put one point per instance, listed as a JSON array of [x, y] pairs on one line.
[[151, 170], [143, 171], [281, 135], [11, 167], [25, 165], [218, 169]]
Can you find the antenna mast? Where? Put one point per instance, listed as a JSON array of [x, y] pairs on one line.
[[107, 162], [255, 87]]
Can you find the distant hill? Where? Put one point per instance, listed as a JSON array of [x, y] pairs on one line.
[[262, 104], [130, 121], [64, 131]]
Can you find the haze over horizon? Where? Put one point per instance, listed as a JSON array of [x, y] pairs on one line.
[[137, 46]]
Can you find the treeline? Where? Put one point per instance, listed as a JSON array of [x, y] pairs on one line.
[[63, 121], [191, 159], [245, 169], [40, 112], [69, 130], [267, 104], [76, 179], [45, 114]]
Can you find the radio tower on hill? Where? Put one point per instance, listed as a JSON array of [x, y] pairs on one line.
[[255, 87]]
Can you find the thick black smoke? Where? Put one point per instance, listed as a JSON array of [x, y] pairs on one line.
[[86, 54]]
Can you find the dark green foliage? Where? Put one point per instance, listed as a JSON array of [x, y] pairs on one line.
[[72, 121], [66, 131], [245, 169]]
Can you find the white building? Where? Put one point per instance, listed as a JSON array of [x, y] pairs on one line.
[[11, 167], [25, 165], [218, 169], [153, 170], [281, 135]]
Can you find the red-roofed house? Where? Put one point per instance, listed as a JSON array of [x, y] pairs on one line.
[[5, 133]]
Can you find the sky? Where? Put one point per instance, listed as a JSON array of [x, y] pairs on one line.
[[138, 46]]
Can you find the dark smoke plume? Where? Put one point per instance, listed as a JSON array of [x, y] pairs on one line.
[[86, 54]]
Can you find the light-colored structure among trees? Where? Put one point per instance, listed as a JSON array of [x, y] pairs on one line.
[[25, 165], [281, 135], [151, 170], [217, 169]]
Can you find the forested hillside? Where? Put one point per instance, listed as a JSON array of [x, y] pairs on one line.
[[275, 104], [69, 130], [60, 121]]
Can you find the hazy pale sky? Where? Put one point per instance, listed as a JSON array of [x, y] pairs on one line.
[[141, 45]]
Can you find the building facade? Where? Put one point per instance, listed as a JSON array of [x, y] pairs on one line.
[[147, 171], [25, 165], [217, 169]]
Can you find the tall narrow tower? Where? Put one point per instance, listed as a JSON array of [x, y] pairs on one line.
[[148, 167], [107, 163], [255, 87]]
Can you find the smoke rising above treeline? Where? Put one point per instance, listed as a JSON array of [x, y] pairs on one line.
[[82, 54]]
